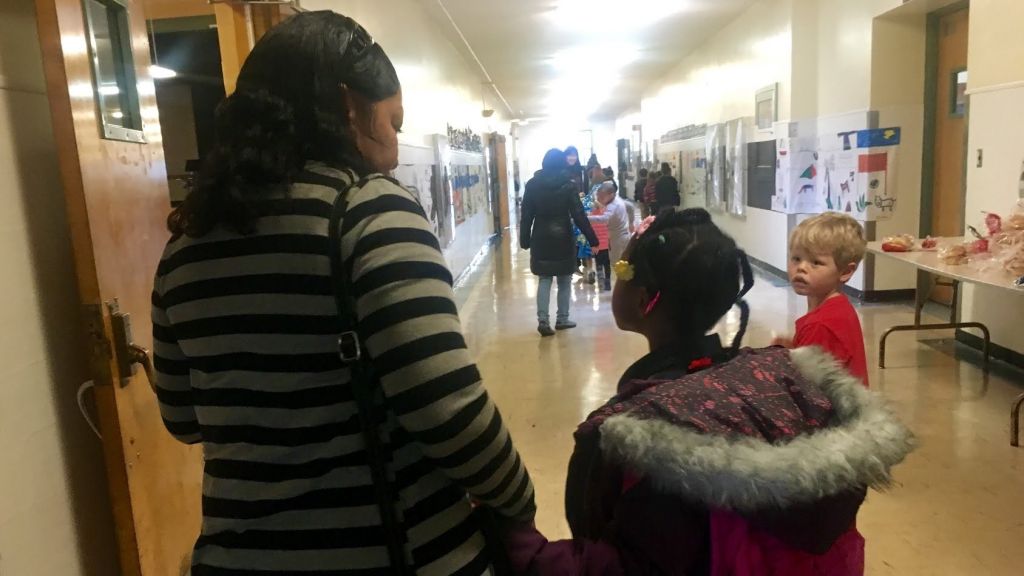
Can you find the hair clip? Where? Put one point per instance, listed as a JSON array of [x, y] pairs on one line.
[[624, 270], [661, 238], [652, 304]]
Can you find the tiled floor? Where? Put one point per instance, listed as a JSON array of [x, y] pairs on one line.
[[957, 507]]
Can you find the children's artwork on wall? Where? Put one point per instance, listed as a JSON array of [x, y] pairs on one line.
[[737, 168], [469, 193], [849, 172], [694, 174], [715, 153], [796, 177]]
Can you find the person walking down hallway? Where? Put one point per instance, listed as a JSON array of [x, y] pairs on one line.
[[315, 464], [551, 205], [666, 191], [576, 171]]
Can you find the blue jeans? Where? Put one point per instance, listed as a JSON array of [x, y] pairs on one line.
[[544, 298]]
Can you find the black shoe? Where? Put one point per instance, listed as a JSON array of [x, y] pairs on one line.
[[607, 286], [545, 329], [591, 278], [565, 325]]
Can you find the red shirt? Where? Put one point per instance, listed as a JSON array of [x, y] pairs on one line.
[[835, 327]]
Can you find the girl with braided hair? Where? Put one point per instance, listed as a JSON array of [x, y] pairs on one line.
[[713, 460]]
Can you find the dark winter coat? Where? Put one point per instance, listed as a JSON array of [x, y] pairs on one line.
[[755, 467], [666, 192], [550, 207]]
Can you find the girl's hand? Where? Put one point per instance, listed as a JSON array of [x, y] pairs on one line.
[[784, 341]]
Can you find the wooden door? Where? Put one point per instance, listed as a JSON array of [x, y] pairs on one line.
[[501, 179], [117, 200], [950, 152]]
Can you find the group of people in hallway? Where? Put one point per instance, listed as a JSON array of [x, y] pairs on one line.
[[572, 232], [305, 334], [656, 190], [558, 206]]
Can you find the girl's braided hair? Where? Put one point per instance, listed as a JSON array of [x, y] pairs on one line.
[[698, 270]]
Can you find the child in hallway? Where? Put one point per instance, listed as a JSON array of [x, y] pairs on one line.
[[712, 460], [824, 252], [593, 207], [616, 219]]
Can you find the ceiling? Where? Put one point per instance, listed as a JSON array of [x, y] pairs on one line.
[[580, 59]]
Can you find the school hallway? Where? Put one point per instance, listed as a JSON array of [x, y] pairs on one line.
[[960, 491]]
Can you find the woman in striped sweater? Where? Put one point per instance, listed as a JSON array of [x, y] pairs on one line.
[[245, 329]]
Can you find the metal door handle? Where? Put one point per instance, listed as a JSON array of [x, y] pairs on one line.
[[126, 352], [139, 355]]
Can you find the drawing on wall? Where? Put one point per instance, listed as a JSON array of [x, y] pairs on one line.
[[715, 153], [796, 177], [694, 174], [422, 181], [737, 168], [469, 191], [847, 172]]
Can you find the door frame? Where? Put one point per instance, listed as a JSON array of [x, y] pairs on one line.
[[931, 83]]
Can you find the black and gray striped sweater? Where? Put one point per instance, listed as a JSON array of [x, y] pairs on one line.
[[245, 338]]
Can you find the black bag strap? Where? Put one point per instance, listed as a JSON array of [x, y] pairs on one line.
[[363, 382]]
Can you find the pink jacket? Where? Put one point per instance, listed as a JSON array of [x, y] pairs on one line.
[[754, 467]]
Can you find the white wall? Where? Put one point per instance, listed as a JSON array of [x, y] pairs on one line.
[[54, 510], [717, 82], [996, 87]]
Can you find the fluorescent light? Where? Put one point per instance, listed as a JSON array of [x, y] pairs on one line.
[[161, 73], [624, 16], [109, 90], [118, 114]]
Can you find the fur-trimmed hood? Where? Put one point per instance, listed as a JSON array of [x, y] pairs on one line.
[[855, 445]]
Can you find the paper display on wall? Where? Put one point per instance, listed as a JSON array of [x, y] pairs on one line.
[[737, 168], [423, 181], [796, 171], [694, 177], [848, 172], [715, 153]]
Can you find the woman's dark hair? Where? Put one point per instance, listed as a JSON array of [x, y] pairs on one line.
[[572, 151], [554, 159], [608, 172], [592, 162], [287, 109], [697, 268], [643, 172], [666, 169]]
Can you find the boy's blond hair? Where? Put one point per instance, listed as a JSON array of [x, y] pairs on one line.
[[831, 233]]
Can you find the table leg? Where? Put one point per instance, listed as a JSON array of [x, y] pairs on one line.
[[918, 327], [1015, 421]]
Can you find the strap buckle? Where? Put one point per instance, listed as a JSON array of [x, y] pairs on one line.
[[349, 348]]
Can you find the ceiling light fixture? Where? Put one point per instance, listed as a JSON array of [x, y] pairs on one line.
[[626, 16]]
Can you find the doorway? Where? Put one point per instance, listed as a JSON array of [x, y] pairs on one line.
[[946, 112]]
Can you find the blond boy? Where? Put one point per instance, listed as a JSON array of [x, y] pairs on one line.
[[824, 252]]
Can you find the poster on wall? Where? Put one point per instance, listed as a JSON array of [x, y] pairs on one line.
[[694, 177], [854, 173], [458, 193], [422, 181], [849, 172], [469, 192], [796, 177], [736, 169], [715, 153]]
